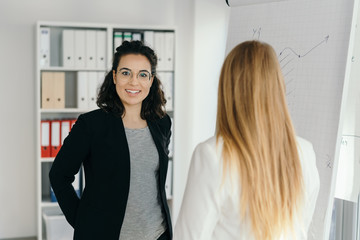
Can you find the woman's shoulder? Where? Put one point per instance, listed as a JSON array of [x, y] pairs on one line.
[[166, 119], [303, 142], [307, 158], [305, 148], [93, 114], [97, 119], [209, 151], [164, 122], [97, 115], [209, 143]]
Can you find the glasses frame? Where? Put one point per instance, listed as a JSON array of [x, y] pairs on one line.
[[127, 78]]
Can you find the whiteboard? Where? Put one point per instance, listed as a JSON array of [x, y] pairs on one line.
[[311, 39], [348, 172]]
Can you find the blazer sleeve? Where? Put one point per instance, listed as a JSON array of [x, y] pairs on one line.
[[200, 209], [66, 165], [168, 133]]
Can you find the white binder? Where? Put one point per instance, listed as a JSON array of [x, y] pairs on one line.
[[82, 90], [92, 89], [149, 39], [90, 61], [44, 47], [68, 40], [101, 49], [136, 36], [55, 133], [167, 81], [80, 48], [45, 134], [118, 38], [65, 129], [169, 51], [159, 40]]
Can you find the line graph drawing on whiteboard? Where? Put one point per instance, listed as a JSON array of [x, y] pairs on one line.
[[289, 60], [303, 55]]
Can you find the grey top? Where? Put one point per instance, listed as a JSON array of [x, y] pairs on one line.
[[143, 216]]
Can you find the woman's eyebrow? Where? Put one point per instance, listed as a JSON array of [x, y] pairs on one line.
[[125, 68], [143, 70]]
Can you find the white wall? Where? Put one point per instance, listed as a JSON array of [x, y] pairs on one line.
[[184, 18], [206, 40], [211, 24], [201, 32]]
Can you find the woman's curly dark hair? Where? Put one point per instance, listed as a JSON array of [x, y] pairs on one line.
[[153, 106]]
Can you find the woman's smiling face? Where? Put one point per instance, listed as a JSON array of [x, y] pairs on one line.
[[133, 80]]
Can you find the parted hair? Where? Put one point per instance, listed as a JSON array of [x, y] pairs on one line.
[[153, 105], [259, 140]]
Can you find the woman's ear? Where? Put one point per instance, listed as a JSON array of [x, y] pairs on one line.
[[114, 76]]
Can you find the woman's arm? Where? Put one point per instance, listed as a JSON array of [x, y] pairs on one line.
[[66, 165], [200, 210], [168, 135], [312, 184]]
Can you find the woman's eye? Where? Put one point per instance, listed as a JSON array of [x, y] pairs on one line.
[[125, 73], [144, 75]]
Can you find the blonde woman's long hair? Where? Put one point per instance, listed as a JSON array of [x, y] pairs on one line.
[[259, 139]]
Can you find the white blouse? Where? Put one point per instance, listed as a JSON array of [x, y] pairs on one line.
[[210, 207]]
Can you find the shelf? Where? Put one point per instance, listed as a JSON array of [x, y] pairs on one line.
[[67, 69], [65, 110], [50, 159], [49, 204], [70, 80]]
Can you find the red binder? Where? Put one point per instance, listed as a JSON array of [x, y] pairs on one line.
[[73, 121], [65, 129], [45, 129], [55, 137]]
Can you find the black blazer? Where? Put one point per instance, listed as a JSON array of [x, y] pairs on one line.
[[98, 141]]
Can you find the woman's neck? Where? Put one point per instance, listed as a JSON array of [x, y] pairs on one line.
[[132, 119]]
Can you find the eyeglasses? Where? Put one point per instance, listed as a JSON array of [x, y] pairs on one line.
[[126, 74]]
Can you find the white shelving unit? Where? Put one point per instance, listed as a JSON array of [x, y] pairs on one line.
[[52, 61]]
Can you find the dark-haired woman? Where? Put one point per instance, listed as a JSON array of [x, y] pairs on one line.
[[123, 147]]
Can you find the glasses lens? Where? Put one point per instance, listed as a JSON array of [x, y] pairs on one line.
[[144, 76], [125, 74]]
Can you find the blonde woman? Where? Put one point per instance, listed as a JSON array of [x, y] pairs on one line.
[[255, 179]]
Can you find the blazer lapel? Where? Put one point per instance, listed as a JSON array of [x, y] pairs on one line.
[[119, 142]]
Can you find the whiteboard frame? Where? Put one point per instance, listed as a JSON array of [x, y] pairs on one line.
[[341, 119]]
